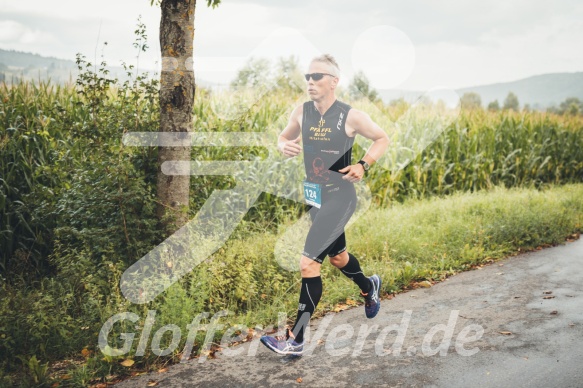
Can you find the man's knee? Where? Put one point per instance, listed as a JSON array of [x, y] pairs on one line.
[[309, 267], [340, 260]]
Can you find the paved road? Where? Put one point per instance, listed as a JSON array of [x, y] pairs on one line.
[[524, 342]]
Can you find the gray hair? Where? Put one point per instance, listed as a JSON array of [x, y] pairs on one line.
[[328, 59]]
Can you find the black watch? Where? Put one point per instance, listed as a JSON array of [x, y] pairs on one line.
[[365, 165]]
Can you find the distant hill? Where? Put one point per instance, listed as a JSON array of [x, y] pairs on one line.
[[539, 91], [23, 60], [15, 65]]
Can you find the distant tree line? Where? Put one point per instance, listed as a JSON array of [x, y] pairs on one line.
[[571, 106], [471, 100]]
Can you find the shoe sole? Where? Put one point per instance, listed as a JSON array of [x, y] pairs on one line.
[[279, 351], [378, 296]]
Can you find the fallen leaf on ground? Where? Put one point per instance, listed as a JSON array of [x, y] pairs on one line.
[[162, 370], [206, 353], [341, 307], [127, 362], [299, 379], [505, 332], [425, 284], [152, 383], [252, 334]]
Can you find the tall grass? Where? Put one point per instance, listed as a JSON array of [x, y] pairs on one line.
[[34, 144]]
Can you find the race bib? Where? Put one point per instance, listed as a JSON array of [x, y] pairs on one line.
[[313, 194]]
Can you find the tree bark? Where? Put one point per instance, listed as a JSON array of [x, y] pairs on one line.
[[177, 90]]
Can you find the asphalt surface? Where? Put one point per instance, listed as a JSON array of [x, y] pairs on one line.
[[530, 338]]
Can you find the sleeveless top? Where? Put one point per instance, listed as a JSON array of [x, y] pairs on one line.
[[327, 148]]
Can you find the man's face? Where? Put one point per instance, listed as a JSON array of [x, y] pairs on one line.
[[318, 90]]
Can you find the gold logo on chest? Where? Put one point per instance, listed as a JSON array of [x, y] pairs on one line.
[[320, 133]]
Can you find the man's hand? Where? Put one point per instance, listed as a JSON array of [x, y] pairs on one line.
[[354, 173], [290, 148]]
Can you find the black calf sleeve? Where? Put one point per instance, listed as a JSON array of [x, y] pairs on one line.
[[353, 271], [309, 297]]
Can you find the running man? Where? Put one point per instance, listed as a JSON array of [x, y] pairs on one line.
[[327, 128]]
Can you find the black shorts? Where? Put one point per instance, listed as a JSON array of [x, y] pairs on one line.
[[326, 235]]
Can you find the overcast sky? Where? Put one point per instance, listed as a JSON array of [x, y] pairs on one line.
[[413, 45]]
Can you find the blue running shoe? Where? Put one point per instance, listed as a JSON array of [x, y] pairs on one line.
[[283, 344], [372, 299]]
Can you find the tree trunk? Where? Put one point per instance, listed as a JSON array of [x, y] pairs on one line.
[[176, 100]]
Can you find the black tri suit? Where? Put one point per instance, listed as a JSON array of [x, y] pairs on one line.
[[327, 149]]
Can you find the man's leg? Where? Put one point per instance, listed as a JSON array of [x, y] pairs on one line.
[[370, 288], [348, 264], [310, 295]]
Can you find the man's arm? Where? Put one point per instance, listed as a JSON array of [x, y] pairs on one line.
[[289, 138], [361, 123]]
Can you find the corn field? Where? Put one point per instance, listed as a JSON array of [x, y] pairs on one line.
[[482, 149], [53, 137]]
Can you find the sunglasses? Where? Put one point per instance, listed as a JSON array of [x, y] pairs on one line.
[[317, 76]]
